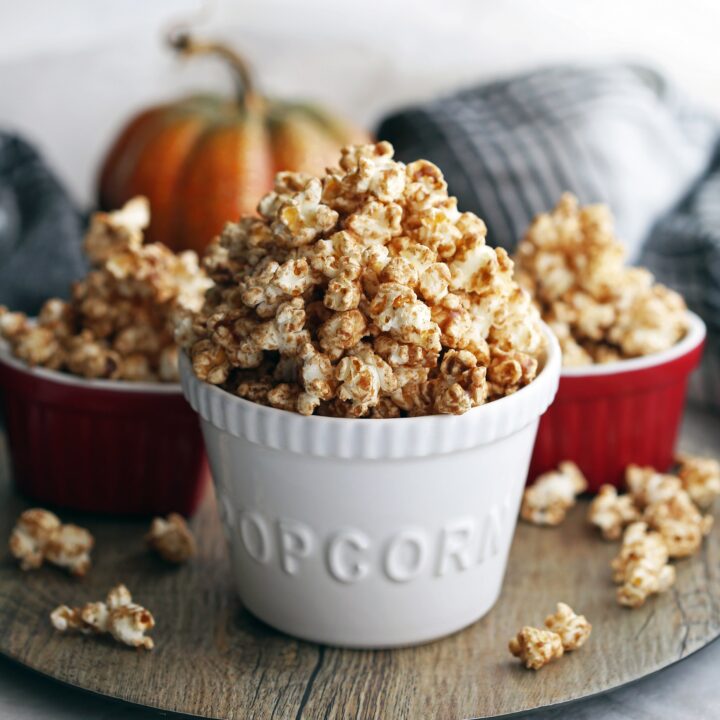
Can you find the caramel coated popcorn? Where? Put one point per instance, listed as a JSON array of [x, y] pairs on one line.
[[601, 311], [611, 512], [364, 293], [120, 321], [641, 568], [118, 616], [171, 538], [548, 499], [700, 477], [669, 509], [536, 647], [39, 536], [573, 629]]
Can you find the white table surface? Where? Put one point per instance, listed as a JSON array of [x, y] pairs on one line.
[[688, 689]]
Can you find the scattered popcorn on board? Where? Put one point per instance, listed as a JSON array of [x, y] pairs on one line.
[[126, 621], [39, 536]]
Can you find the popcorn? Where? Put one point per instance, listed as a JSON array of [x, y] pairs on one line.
[[302, 216], [119, 323], [364, 293], [679, 522], [548, 499], [669, 509], [700, 477], [461, 384], [573, 629], [535, 647], [600, 310], [126, 621], [612, 512], [171, 538], [641, 566], [39, 535], [647, 486]]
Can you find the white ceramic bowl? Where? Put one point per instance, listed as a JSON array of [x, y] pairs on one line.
[[370, 533]]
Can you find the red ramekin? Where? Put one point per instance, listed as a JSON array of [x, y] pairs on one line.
[[607, 416], [101, 446]]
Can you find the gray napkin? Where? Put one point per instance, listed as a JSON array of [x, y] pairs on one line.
[[616, 134], [40, 231]]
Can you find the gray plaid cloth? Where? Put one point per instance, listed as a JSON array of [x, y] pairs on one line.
[[40, 230], [620, 135]]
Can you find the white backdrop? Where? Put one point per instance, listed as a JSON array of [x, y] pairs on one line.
[[72, 71]]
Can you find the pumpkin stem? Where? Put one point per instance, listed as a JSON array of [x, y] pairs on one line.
[[186, 45]]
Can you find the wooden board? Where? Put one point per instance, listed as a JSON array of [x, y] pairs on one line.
[[213, 659]]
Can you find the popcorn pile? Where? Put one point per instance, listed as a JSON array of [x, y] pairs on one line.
[[119, 616], [548, 499], [365, 293], [39, 536], [600, 310], [566, 631], [119, 323], [662, 520]]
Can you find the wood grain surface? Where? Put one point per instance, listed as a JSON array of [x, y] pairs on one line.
[[213, 659]]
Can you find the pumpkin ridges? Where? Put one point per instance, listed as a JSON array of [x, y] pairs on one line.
[[119, 161], [341, 131], [297, 142], [158, 168], [225, 174]]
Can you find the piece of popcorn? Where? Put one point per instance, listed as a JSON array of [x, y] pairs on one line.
[[30, 535], [209, 362], [286, 185], [536, 647], [284, 396], [461, 384], [317, 377], [12, 324], [396, 310], [302, 217], [126, 621], [648, 486], [509, 371], [171, 538], [700, 477], [39, 536], [375, 222], [370, 170], [611, 512], [425, 187], [680, 523], [436, 228], [641, 567], [92, 358], [117, 231], [573, 629], [548, 499], [362, 376], [69, 547], [38, 346]]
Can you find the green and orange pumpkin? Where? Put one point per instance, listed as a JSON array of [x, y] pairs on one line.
[[207, 159]]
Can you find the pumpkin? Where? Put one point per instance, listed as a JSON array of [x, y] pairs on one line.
[[207, 159]]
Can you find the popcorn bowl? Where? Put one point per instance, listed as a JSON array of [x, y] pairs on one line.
[[607, 416], [102, 446], [370, 532]]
